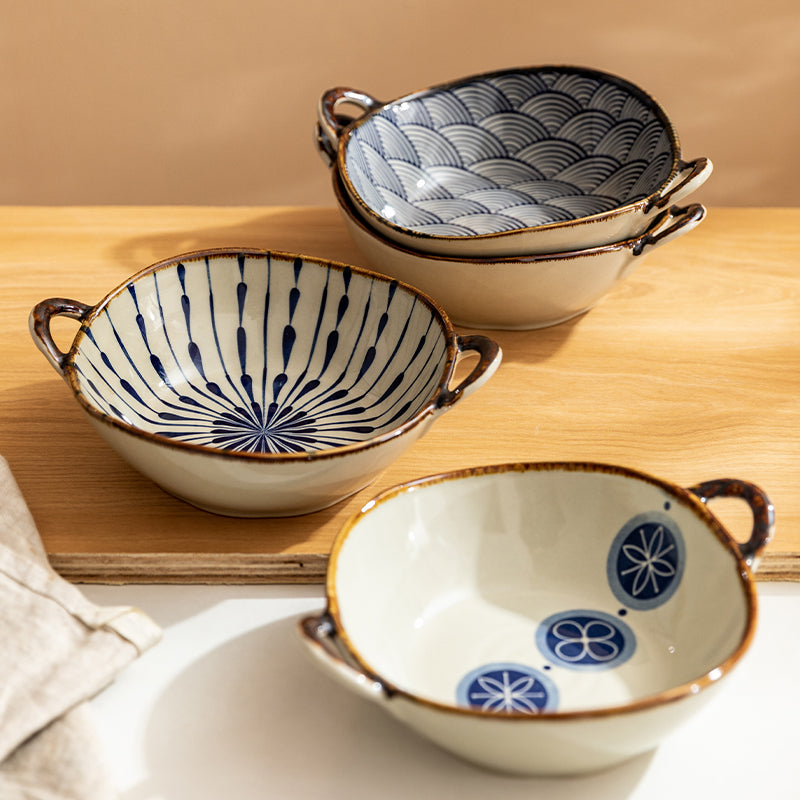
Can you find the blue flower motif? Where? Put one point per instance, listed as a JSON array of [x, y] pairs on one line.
[[592, 640], [585, 640], [651, 560], [507, 688], [646, 561]]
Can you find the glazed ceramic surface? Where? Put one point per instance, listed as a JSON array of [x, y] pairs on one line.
[[256, 383], [541, 618], [521, 293], [516, 162]]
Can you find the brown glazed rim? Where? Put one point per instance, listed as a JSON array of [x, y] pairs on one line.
[[439, 314], [633, 89], [631, 243], [673, 694]]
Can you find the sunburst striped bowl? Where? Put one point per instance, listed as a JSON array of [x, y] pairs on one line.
[[518, 162], [256, 383]]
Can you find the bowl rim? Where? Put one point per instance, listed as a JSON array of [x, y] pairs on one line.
[[628, 243], [422, 237], [445, 325], [671, 695]]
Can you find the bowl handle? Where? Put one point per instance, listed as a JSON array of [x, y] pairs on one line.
[[320, 637], [489, 357], [330, 124], [760, 505], [39, 325], [681, 220], [691, 176]]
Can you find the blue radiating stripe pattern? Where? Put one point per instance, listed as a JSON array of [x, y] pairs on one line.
[[261, 354], [510, 151]]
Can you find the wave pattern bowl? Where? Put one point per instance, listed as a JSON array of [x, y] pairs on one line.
[[517, 293], [256, 383], [516, 162], [541, 619]]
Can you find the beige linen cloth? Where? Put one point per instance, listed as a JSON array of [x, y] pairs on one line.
[[57, 650]]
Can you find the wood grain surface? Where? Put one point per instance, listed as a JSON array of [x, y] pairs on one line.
[[689, 370]]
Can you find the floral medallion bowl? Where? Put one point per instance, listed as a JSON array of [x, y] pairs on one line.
[[258, 383], [517, 293], [517, 162], [541, 619]]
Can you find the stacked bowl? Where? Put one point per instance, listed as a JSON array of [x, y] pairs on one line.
[[518, 198]]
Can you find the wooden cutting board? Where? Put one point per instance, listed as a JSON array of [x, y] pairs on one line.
[[689, 370]]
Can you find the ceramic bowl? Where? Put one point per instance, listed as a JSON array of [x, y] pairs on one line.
[[518, 162], [256, 383], [517, 293], [541, 619]]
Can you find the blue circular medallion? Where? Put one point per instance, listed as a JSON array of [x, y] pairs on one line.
[[585, 640], [507, 688], [646, 561]]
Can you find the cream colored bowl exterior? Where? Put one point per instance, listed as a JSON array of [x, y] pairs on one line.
[[533, 747], [242, 487], [556, 748], [506, 294]]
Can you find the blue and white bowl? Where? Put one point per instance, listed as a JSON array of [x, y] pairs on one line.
[[256, 383], [518, 162], [541, 619]]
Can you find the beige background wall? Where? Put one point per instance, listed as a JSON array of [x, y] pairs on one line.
[[213, 101]]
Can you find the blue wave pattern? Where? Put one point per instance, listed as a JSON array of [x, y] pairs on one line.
[[261, 354], [511, 151]]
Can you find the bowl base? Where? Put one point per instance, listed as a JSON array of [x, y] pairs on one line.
[[298, 509]]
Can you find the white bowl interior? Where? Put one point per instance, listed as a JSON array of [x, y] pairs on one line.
[[509, 151], [262, 353], [532, 590]]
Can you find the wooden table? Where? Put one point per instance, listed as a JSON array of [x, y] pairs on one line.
[[689, 370]]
